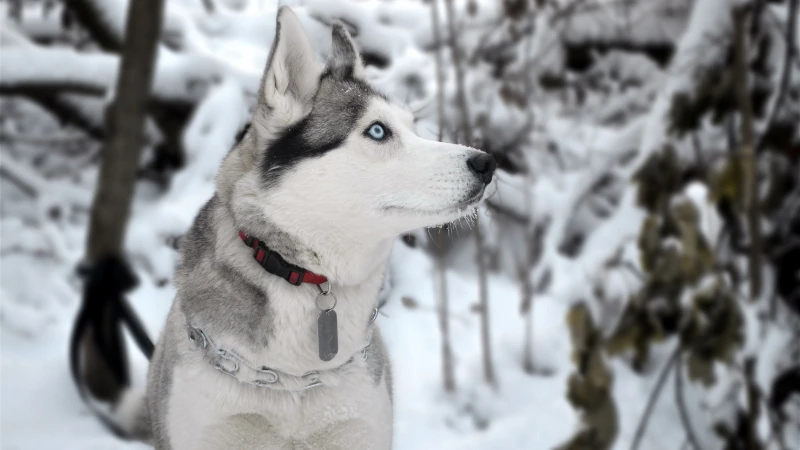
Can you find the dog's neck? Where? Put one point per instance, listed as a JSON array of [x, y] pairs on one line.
[[345, 262], [323, 248], [291, 347]]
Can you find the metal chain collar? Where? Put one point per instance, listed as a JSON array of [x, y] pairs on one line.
[[230, 363]]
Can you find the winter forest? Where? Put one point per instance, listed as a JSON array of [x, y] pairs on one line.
[[631, 282]]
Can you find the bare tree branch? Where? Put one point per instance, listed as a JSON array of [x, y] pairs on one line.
[[786, 76], [170, 115], [67, 108], [466, 132], [461, 96], [747, 150], [507, 212], [33, 87], [687, 425], [753, 404], [532, 232], [438, 241], [94, 16], [651, 402]]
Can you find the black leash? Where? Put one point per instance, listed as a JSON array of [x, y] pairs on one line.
[[104, 309]]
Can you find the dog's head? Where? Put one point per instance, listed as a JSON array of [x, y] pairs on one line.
[[327, 148]]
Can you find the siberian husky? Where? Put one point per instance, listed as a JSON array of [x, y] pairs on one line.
[[271, 341]]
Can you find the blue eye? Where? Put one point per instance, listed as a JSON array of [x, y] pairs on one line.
[[376, 131]]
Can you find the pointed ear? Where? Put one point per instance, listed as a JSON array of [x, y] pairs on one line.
[[292, 72], [345, 61]]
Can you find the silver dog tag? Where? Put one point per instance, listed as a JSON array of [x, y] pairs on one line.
[[327, 334]]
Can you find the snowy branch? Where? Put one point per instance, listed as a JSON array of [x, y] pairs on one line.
[[104, 19], [786, 74], [27, 180], [55, 70]]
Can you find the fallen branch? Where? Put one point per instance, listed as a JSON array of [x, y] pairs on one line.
[[63, 70]]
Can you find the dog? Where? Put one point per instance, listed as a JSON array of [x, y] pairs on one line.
[[271, 342]]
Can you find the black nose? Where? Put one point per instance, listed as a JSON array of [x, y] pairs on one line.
[[483, 165]]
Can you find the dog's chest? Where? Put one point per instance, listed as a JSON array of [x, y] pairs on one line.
[[293, 343], [205, 406]]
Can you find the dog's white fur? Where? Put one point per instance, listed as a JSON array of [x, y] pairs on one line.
[[348, 205]]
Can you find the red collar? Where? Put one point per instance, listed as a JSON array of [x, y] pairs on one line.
[[274, 263]]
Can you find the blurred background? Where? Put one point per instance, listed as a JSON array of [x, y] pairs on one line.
[[633, 281]]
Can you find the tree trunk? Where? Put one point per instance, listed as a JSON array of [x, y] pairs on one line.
[[461, 96], [448, 377], [483, 296], [526, 304], [466, 132], [532, 238], [527, 357], [747, 150], [170, 117], [122, 148]]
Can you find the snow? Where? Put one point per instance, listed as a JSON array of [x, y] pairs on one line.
[[642, 22], [708, 21], [219, 65], [24, 65]]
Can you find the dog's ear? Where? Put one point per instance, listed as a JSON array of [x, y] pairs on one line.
[[292, 72], [345, 62]]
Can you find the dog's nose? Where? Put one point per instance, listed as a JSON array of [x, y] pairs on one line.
[[483, 165]]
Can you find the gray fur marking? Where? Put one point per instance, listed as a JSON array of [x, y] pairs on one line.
[[376, 358], [344, 55], [213, 282], [336, 107], [159, 382]]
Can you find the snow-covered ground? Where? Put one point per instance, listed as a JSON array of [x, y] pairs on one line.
[[41, 410], [40, 294], [43, 230]]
